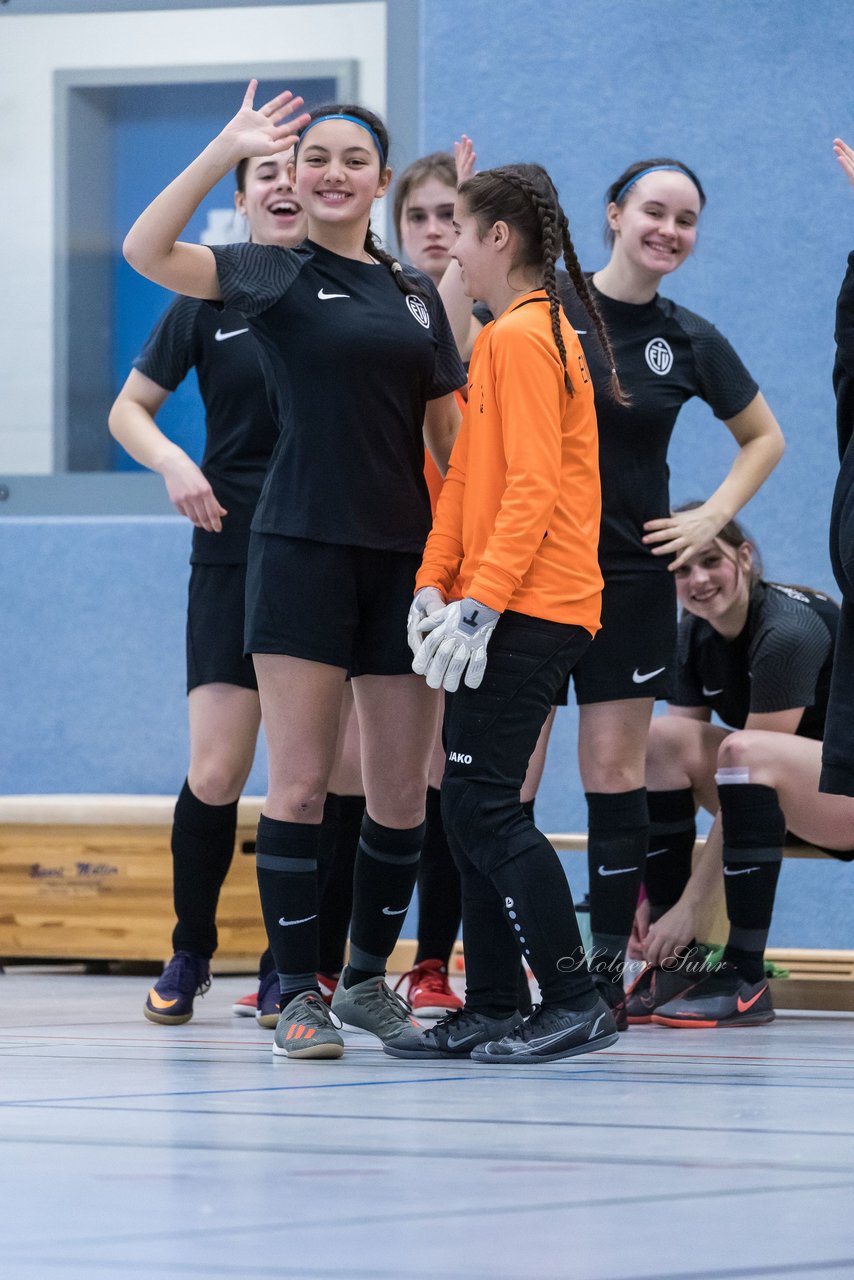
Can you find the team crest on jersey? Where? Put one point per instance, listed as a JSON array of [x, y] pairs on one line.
[[659, 357], [419, 310]]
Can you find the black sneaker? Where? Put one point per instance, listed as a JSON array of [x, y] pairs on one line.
[[552, 1033], [614, 996], [653, 988], [454, 1036], [269, 1003], [170, 1000], [724, 999]]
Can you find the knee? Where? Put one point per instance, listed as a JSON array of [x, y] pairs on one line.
[[217, 781], [739, 750], [297, 800], [401, 805], [480, 819]]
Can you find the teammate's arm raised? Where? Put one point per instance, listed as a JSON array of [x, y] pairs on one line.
[[152, 247]]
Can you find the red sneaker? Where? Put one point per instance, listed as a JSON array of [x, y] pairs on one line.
[[429, 992], [327, 986], [245, 1007]]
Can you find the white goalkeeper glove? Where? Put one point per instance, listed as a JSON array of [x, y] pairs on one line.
[[456, 643], [427, 603]]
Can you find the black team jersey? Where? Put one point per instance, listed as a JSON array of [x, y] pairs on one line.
[[240, 430], [782, 659], [350, 363], [665, 355]]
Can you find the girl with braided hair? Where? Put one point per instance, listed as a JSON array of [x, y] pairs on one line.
[[360, 368], [513, 545]]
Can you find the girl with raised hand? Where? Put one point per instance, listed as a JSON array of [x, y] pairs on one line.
[[218, 497], [361, 368], [759, 655], [515, 537]]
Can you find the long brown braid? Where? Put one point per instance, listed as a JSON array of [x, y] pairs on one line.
[[544, 230], [579, 281]]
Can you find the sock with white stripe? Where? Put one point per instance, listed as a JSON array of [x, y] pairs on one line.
[[616, 853], [384, 878], [286, 864]]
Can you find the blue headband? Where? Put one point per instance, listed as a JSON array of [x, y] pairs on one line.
[[353, 120], [655, 168]]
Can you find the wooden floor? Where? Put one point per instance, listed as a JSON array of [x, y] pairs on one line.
[[135, 1150]]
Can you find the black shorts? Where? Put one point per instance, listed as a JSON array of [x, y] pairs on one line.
[[634, 654], [345, 606], [215, 611], [842, 855]]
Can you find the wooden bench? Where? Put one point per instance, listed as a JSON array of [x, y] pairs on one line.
[[89, 877]]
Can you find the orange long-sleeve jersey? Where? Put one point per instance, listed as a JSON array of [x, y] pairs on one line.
[[517, 523]]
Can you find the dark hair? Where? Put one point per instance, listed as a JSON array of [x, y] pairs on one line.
[[734, 535], [524, 196], [439, 164], [633, 172], [375, 124], [240, 174]]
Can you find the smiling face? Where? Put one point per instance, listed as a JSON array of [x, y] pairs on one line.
[[268, 203], [715, 583], [338, 174], [427, 226], [655, 227]]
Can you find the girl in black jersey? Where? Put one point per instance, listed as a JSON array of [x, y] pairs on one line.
[[358, 360], [219, 498], [758, 655], [665, 355]]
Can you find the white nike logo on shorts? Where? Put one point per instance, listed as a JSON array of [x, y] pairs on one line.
[[324, 296], [647, 675], [653, 853], [387, 911], [304, 920], [620, 871], [232, 333], [711, 693]]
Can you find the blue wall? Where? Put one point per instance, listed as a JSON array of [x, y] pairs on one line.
[[751, 95]]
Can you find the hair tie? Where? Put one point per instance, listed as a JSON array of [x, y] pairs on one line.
[[396, 267]]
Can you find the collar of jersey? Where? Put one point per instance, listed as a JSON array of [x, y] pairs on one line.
[[535, 295]]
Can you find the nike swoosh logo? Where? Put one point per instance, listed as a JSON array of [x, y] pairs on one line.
[[304, 920], [543, 1042], [620, 871], [744, 1005], [653, 853], [647, 675], [583, 332], [232, 333], [387, 911], [458, 1044], [744, 871], [324, 296], [159, 1002], [711, 693]]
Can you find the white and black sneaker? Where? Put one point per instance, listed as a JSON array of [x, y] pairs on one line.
[[552, 1032], [454, 1036]]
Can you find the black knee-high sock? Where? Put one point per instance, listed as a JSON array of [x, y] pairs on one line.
[[386, 869], [286, 862], [336, 886], [616, 853], [672, 835], [439, 895], [202, 849], [754, 830]]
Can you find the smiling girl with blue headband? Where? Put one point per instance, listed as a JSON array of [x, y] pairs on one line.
[[361, 367]]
